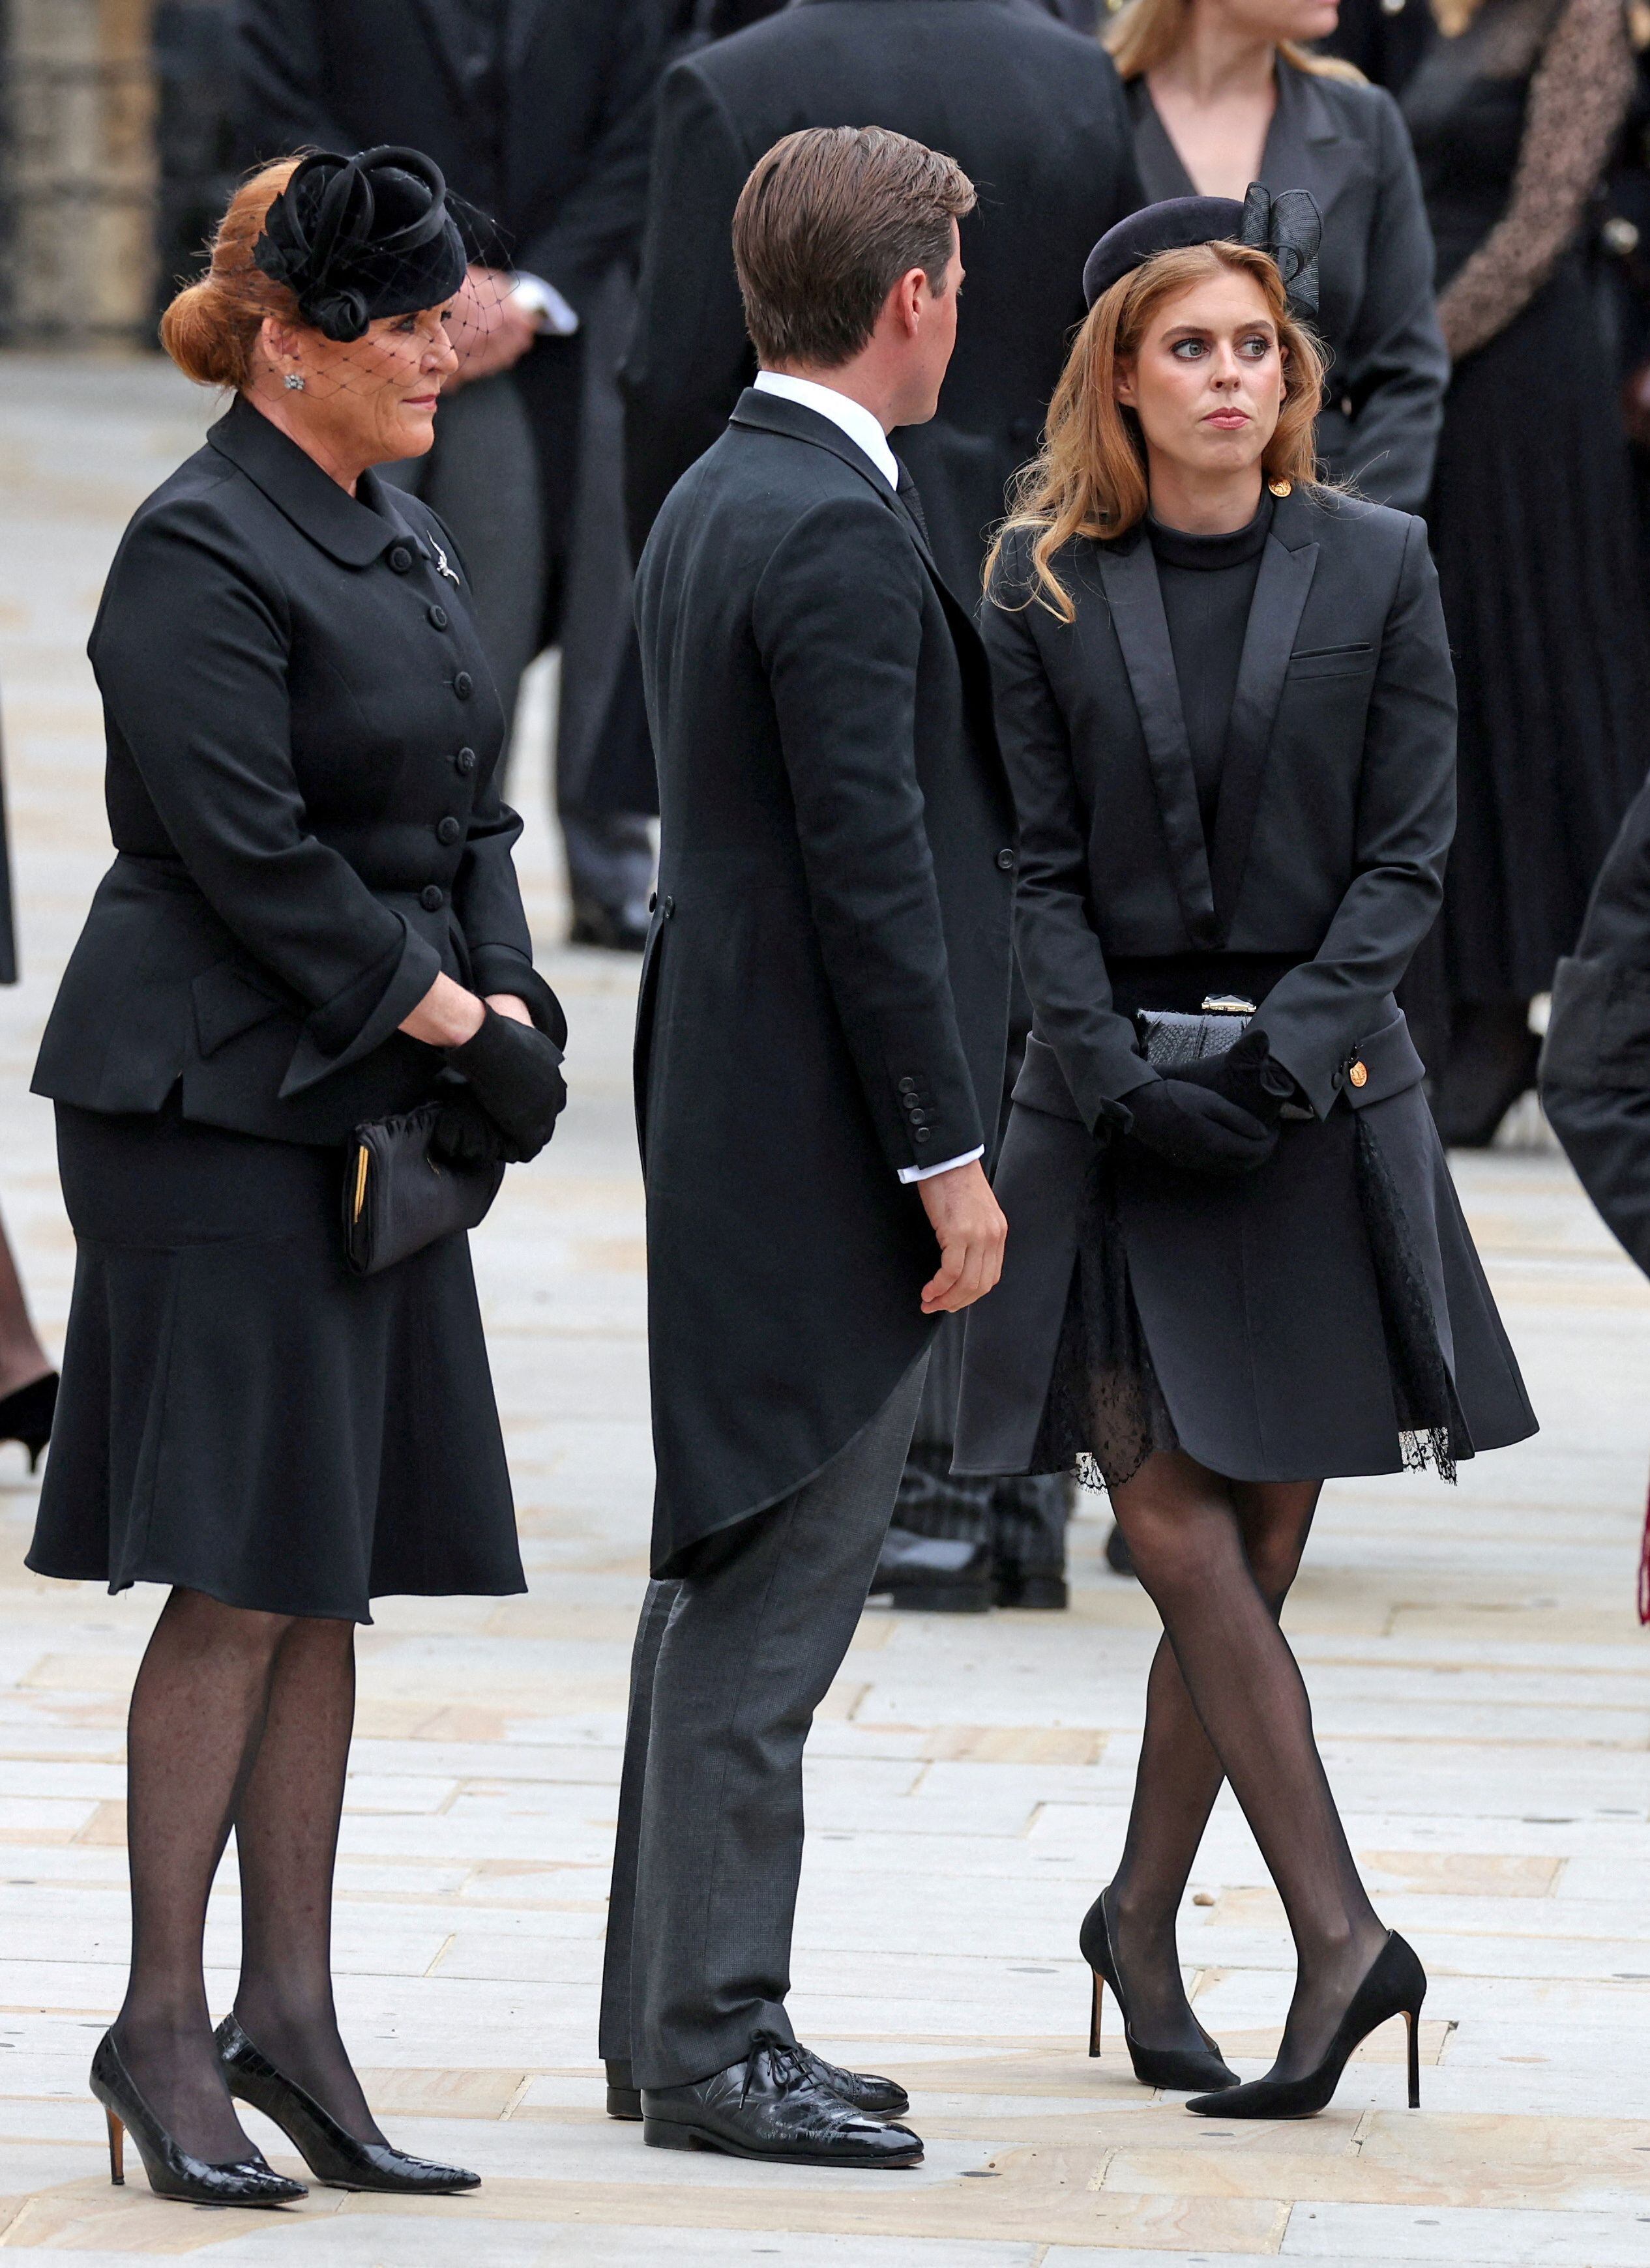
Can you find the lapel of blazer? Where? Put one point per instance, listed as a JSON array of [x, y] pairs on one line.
[[450, 49], [1286, 569], [1305, 147], [1129, 576]]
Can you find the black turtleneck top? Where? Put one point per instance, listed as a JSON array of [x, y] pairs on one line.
[[1208, 582]]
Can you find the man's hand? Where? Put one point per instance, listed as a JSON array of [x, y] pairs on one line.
[[490, 328], [969, 1222]]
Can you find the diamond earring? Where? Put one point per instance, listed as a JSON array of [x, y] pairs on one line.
[[294, 381]]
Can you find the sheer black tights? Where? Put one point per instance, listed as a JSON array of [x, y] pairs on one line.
[[1226, 1700], [239, 1719]]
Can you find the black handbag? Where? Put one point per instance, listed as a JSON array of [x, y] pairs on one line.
[[397, 1198], [1172, 1037]]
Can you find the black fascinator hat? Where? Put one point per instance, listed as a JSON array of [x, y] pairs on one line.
[[356, 239], [1286, 227]]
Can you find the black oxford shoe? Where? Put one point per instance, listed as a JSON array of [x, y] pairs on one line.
[[772, 2104], [863, 2089]]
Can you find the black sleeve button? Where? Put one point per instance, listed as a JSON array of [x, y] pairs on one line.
[[464, 685], [449, 831], [465, 762], [1005, 860], [431, 899], [438, 617], [908, 1086], [919, 1134], [401, 559]]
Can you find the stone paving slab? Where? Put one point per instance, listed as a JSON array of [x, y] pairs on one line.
[[1476, 1669]]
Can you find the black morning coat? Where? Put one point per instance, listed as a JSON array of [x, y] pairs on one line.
[[1336, 809], [1033, 112], [825, 991], [1348, 145], [302, 790], [538, 112], [1595, 1061]]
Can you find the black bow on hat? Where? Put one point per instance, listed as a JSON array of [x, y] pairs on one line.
[[1286, 227], [359, 237]]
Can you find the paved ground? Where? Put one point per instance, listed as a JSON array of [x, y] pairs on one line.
[[1479, 1679]]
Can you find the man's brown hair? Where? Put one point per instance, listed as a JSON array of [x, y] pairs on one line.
[[827, 222]]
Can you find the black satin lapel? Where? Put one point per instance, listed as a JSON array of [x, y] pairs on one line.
[[1136, 599], [1280, 595]]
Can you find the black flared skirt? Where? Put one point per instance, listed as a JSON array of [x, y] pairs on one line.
[[241, 1416], [1531, 520]]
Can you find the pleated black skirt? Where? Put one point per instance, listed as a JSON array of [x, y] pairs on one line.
[[241, 1416], [1532, 527]]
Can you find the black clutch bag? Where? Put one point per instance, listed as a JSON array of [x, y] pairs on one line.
[[397, 1198], [1172, 1037]]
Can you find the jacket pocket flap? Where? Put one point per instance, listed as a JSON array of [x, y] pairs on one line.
[[1042, 1085], [1389, 1062], [228, 1002]]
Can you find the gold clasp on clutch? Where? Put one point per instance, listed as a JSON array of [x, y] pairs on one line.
[[362, 1156], [1228, 1003]]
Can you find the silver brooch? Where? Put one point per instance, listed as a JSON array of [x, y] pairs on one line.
[[441, 562]]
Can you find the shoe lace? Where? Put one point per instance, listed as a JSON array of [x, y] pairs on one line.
[[789, 2064]]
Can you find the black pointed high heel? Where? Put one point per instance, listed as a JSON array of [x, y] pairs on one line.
[[173, 2172], [1394, 1985], [26, 1416], [1178, 2069], [332, 2154]]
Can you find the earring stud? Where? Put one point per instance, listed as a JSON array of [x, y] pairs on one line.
[[294, 381]]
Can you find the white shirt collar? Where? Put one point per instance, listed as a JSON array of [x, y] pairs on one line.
[[851, 418]]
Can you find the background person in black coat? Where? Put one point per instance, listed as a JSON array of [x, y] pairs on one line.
[[1221, 98], [1226, 704], [312, 898], [539, 113], [822, 1024]]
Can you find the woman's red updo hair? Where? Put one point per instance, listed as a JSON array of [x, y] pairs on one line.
[[211, 327]]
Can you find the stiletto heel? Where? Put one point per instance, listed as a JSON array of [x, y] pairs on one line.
[[173, 2172], [26, 1416], [330, 2151], [1179, 2069], [1394, 1985]]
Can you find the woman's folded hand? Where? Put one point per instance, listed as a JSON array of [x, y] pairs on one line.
[[516, 1074], [1197, 1129], [1245, 1074]]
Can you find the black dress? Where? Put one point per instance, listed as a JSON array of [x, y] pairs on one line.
[[1531, 513], [1233, 775], [303, 744]]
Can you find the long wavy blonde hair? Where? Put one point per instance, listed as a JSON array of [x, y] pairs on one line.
[[1147, 32], [1090, 478]]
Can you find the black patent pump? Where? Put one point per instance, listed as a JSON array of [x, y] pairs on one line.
[[175, 2172]]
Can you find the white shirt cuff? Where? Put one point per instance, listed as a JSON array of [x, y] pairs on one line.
[[927, 1172], [544, 301]]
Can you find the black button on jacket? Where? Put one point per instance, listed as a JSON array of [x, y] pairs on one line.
[[280, 723]]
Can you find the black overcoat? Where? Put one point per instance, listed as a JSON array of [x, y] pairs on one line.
[[1035, 116], [302, 790], [1258, 1297], [544, 126], [8, 932], [1596, 1062], [825, 991], [1348, 145]]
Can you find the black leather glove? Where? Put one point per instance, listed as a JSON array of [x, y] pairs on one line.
[[1245, 1074], [517, 1076], [1198, 1130], [464, 1135]]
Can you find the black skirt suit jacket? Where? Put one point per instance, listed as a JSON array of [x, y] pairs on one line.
[[1336, 805], [302, 789], [1347, 144], [824, 997]]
